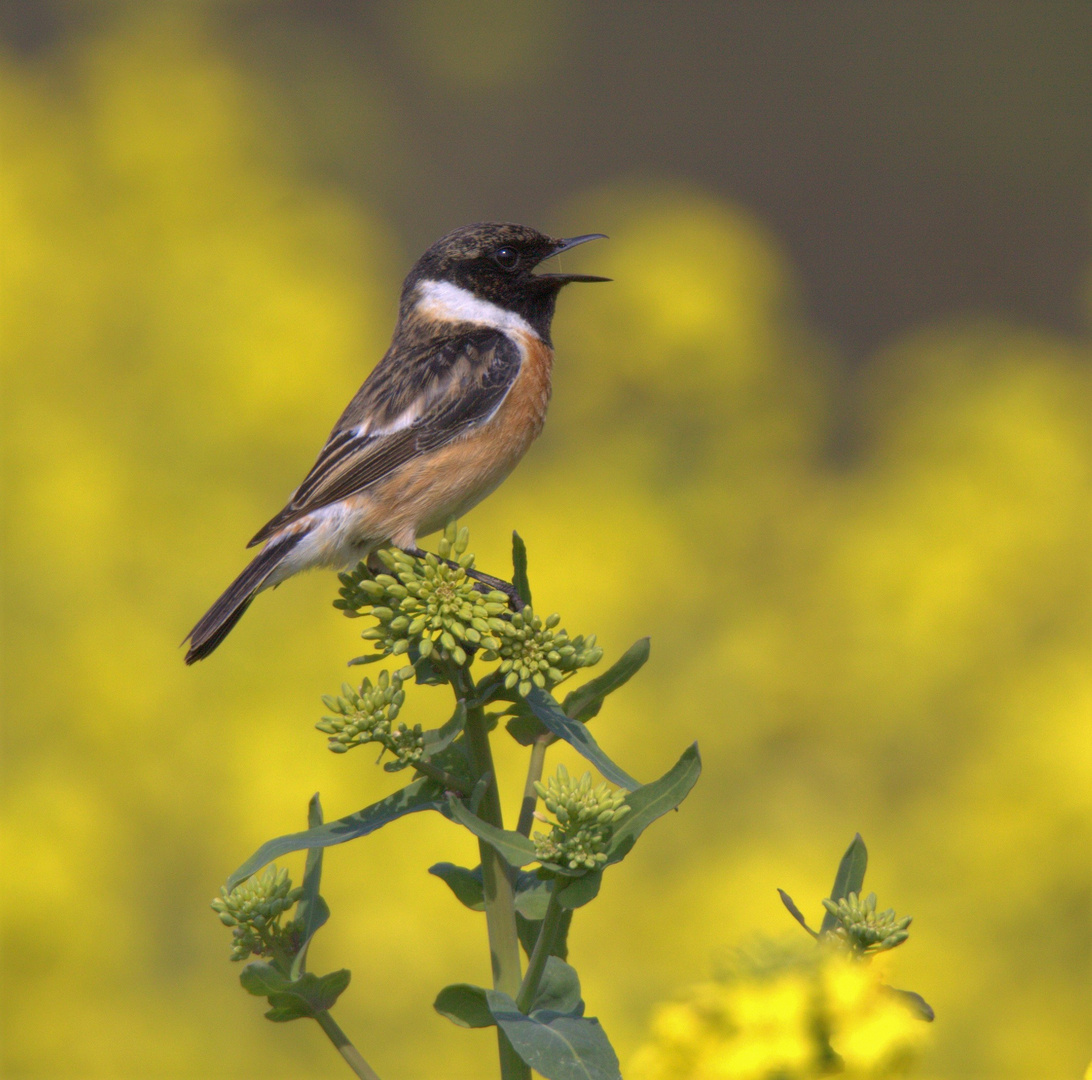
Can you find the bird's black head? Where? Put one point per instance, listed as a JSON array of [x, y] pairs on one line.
[[493, 262]]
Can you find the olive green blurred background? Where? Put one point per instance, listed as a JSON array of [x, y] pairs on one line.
[[825, 438]]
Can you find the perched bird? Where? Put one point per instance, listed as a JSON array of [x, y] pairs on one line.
[[442, 419]]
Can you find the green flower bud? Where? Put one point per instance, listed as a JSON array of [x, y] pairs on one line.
[[585, 819], [422, 602], [861, 929], [541, 654], [253, 910], [364, 715]]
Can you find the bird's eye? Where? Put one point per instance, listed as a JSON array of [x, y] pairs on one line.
[[506, 258]]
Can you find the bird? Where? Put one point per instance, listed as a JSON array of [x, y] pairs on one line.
[[437, 425]]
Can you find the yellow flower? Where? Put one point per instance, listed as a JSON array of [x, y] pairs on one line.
[[785, 1019], [871, 1029], [772, 1021]]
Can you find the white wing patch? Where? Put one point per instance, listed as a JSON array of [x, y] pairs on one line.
[[402, 421], [451, 303]]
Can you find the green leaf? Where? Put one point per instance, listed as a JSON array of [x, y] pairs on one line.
[[515, 849], [312, 911], [453, 759], [577, 736], [465, 1005], [465, 884], [438, 739], [557, 1046], [525, 727], [651, 801], [914, 1002], [795, 912], [532, 898], [286, 1011], [422, 794], [262, 978], [293, 998], [578, 891], [532, 895], [585, 701], [480, 788], [519, 569], [559, 989], [850, 878]]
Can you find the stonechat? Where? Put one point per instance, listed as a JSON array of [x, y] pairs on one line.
[[442, 419]]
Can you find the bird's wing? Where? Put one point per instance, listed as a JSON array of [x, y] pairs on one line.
[[419, 398]]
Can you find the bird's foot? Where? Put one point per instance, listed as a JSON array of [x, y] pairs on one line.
[[485, 583]]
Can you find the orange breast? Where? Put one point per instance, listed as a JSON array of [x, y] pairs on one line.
[[426, 493]]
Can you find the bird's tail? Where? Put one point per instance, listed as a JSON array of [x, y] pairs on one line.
[[216, 623]]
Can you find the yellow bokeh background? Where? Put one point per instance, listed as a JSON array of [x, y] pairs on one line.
[[868, 597]]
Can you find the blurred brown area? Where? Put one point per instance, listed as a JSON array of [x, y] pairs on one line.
[[825, 437]]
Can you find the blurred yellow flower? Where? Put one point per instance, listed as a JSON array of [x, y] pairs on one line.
[[871, 1030], [816, 1013]]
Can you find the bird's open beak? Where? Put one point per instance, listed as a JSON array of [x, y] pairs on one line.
[[564, 245]]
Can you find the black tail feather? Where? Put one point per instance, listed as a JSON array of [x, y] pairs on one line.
[[217, 622]]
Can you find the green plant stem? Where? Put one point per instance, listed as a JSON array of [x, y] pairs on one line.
[[544, 946], [450, 781], [500, 906], [345, 1048], [530, 796]]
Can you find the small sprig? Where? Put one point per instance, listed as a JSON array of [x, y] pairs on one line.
[[585, 820], [253, 910], [862, 928], [532, 652], [425, 602], [367, 715]]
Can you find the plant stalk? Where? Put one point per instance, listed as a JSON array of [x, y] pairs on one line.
[[500, 906], [345, 1048], [530, 796], [544, 946]]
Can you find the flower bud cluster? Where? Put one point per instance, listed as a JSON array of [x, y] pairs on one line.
[[864, 929], [425, 602], [532, 652], [585, 820], [253, 910], [367, 715]]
